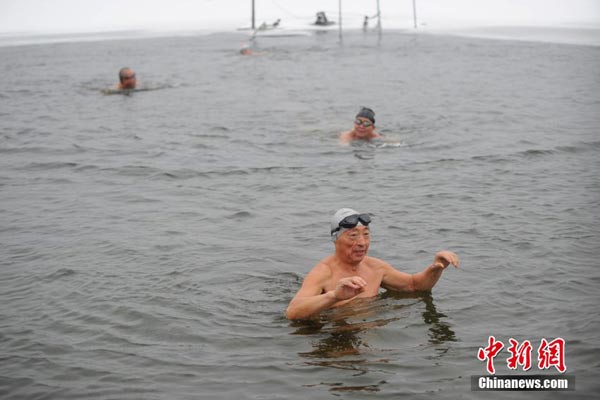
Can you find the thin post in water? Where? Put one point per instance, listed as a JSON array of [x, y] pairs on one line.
[[253, 24], [340, 17], [415, 13], [379, 18]]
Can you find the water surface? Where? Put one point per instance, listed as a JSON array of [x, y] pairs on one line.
[[151, 242]]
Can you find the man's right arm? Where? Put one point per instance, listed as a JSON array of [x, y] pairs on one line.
[[310, 299], [345, 137], [307, 306]]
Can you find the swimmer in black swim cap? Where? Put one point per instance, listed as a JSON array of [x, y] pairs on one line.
[[364, 127], [366, 113]]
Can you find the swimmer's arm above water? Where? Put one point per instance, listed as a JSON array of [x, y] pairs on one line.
[[310, 299], [421, 281], [345, 137]]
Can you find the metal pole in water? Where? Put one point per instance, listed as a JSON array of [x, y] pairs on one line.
[[415, 13], [340, 17], [378, 18], [253, 24]]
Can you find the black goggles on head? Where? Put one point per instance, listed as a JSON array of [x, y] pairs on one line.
[[352, 220]]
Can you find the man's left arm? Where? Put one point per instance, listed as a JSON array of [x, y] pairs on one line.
[[426, 279], [421, 281]]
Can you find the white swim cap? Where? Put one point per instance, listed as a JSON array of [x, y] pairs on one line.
[[336, 230]]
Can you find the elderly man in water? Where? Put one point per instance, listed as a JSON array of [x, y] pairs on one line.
[[126, 79], [364, 127], [349, 273]]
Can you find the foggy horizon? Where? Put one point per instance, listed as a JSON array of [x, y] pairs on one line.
[[71, 16]]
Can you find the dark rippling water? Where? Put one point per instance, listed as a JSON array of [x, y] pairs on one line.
[[150, 243]]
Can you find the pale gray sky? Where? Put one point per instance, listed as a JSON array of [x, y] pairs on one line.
[[94, 15]]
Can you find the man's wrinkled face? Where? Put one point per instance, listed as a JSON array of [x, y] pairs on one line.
[[128, 80], [353, 244]]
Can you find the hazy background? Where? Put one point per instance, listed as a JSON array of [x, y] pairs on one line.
[[57, 16]]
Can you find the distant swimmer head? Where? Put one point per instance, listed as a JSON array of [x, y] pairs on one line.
[[367, 113], [347, 218], [245, 50], [126, 73], [127, 78]]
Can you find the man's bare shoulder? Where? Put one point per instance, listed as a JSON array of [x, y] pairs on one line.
[[377, 263], [346, 137], [323, 267], [319, 275]]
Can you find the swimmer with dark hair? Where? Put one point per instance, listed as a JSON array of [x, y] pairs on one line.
[[127, 79]]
